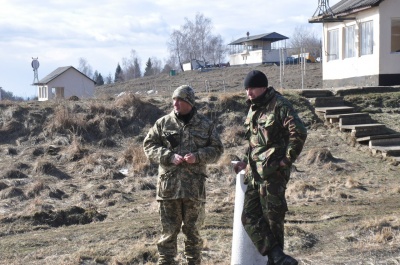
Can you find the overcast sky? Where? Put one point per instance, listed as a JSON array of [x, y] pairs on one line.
[[59, 32]]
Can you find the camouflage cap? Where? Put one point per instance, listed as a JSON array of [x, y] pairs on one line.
[[185, 93]]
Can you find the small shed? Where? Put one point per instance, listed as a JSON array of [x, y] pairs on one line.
[[65, 82], [256, 49]]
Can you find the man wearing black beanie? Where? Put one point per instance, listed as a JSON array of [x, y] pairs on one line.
[[276, 137]]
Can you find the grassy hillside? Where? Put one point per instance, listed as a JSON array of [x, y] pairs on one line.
[[76, 188]]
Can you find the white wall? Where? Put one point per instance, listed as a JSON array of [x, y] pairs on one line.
[[74, 83], [381, 62], [254, 57], [359, 65], [389, 62]]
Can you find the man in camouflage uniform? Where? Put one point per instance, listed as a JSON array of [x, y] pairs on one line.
[[276, 137], [182, 143]]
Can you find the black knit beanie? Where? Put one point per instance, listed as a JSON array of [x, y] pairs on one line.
[[255, 79]]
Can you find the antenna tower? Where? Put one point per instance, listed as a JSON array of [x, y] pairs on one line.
[[35, 66], [323, 8]]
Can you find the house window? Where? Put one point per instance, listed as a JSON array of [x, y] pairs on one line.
[[395, 35], [366, 37], [333, 45], [349, 42]]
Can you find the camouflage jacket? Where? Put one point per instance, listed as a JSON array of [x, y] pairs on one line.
[[168, 136], [274, 132]]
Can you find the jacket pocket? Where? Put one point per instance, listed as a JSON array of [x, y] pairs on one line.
[[172, 137], [200, 138], [168, 185]]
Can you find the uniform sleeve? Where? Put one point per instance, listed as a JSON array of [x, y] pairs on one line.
[[153, 146], [296, 130], [213, 151]]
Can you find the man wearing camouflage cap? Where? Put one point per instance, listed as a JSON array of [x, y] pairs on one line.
[[276, 136], [182, 143]]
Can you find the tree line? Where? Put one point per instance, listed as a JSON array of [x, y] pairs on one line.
[[194, 40]]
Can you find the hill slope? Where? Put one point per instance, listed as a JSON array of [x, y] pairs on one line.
[[76, 188]]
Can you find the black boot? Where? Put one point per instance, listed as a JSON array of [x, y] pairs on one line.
[[281, 258]]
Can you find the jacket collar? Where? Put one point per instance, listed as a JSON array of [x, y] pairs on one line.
[[263, 99]]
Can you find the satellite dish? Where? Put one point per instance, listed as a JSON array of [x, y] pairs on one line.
[[35, 64]]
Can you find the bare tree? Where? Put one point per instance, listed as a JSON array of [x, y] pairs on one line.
[[216, 49], [157, 68], [176, 46], [203, 27], [85, 67], [305, 38], [131, 66], [193, 41], [170, 64]]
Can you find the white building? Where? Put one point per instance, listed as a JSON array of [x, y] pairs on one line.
[[65, 82], [256, 49], [361, 43]]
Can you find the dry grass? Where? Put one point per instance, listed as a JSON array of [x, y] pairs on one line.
[[343, 202], [65, 119]]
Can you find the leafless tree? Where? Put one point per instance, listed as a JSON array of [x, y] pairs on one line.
[[131, 66], [157, 68], [193, 41], [216, 49], [305, 38], [176, 46], [85, 67]]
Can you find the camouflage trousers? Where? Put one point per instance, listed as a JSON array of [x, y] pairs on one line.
[[174, 215], [264, 211]]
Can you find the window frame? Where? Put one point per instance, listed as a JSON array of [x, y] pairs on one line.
[[333, 45], [366, 38], [395, 35], [349, 41]]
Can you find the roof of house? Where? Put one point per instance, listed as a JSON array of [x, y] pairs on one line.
[[272, 37], [56, 73], [344, 8], [350, 6]]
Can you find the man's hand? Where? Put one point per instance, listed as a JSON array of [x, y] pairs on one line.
[[190, 158], [239, 166], [177, 159]]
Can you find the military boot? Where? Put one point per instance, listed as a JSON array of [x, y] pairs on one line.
[[280, 258]]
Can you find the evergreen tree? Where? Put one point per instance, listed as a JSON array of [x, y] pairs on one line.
[[148, 71], [118, 74], [95, 76], [99, 80], [136, 64]]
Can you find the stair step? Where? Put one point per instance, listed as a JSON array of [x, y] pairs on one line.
[[335, 117], [388, 150], [362, 126], [333, 109], [395, 141], [362, 130], [313, 93], [327, 101], [377, 137], [355, 119]]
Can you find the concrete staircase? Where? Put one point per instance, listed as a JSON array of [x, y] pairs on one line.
[[360, 125]]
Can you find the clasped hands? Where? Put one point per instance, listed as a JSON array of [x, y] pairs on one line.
[[189, 158]]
